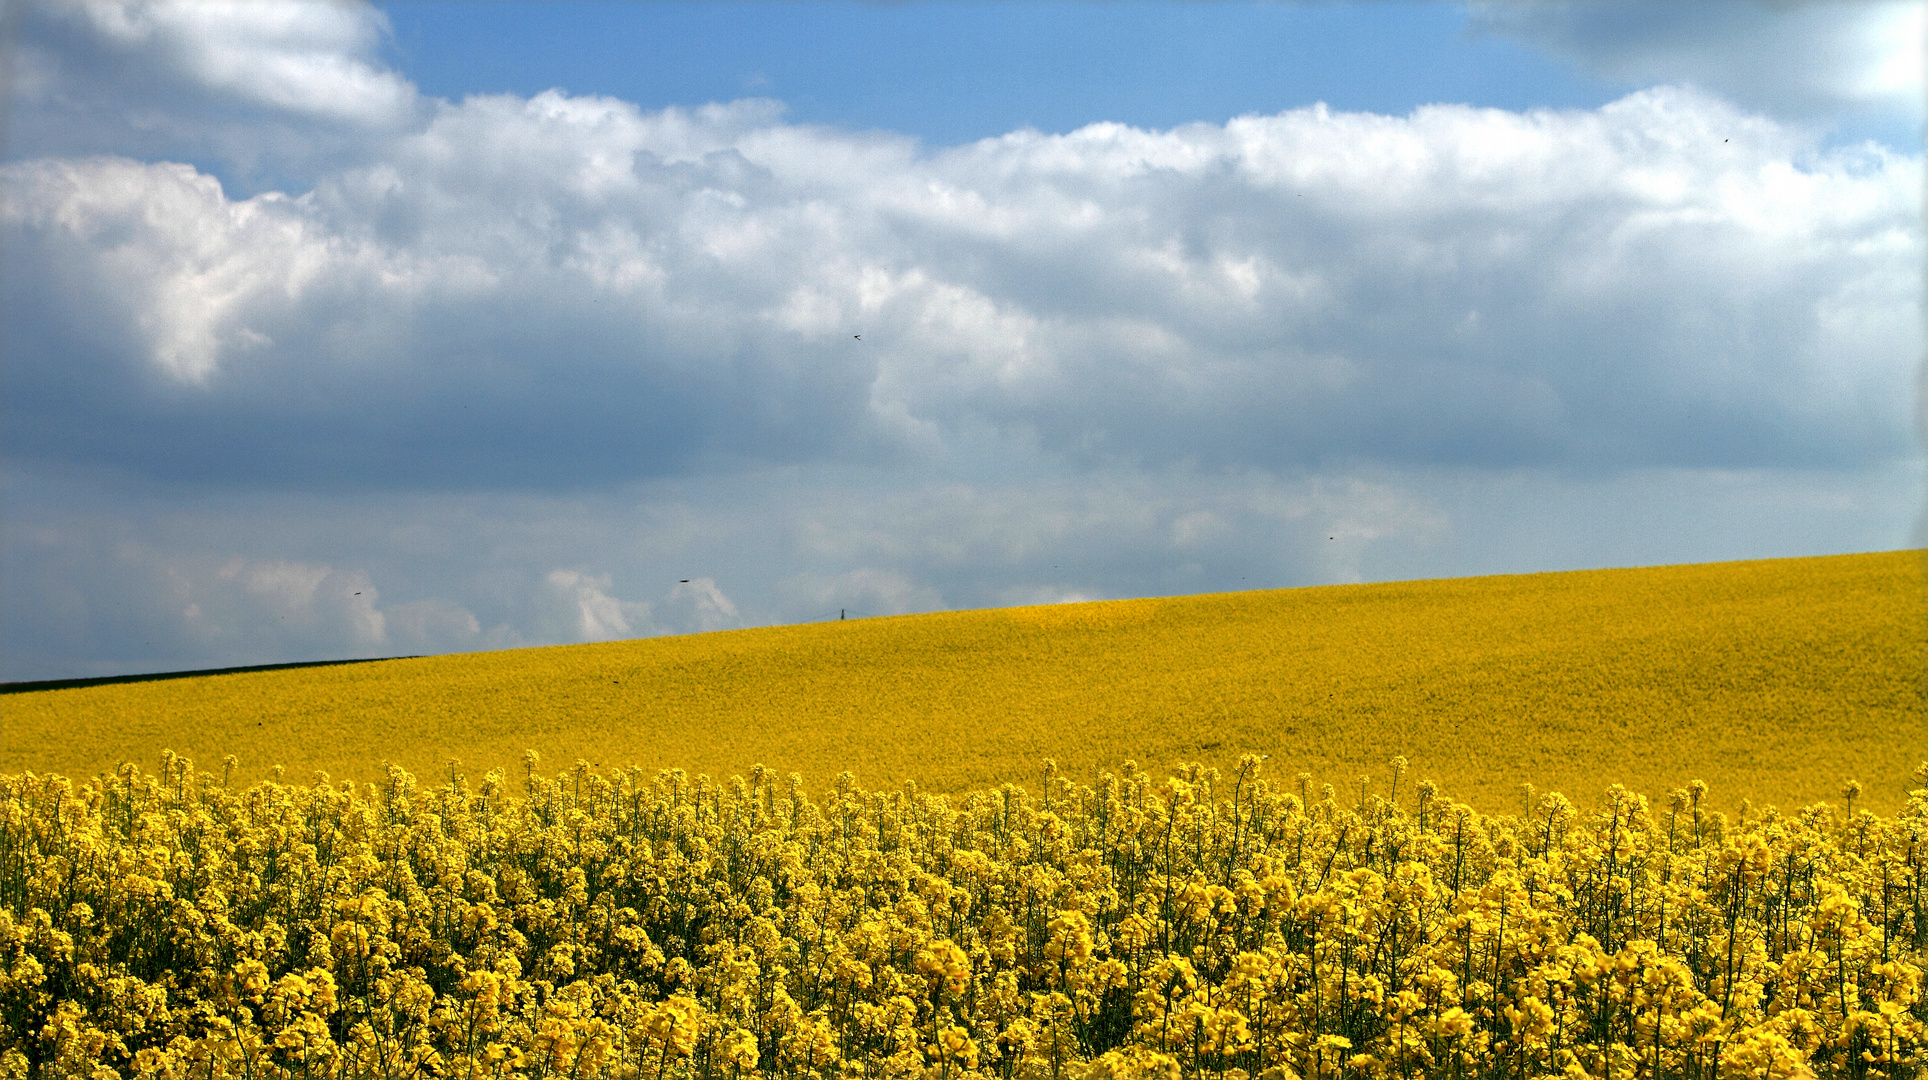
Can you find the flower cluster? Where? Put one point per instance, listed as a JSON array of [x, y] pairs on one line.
[[641, 927]]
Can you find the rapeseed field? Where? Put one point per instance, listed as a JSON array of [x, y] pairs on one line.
[[627, 926], [1776, 681]]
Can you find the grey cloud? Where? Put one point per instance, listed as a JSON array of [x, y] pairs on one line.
[[141, 582], [145, 583], [564, 293], [100, 581], [862, 592], [1806, 61], [94, 607], [302, 57], [435, 625], [266, 93]]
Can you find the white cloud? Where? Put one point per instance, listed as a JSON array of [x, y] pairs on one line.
[[286, 604], [700, 607], [595, 615], [578, 606], [170, 255]]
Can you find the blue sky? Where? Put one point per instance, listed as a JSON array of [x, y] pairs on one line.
[[950, 73], [337, 329]]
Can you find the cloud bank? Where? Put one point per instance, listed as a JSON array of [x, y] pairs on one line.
[[566, 291]]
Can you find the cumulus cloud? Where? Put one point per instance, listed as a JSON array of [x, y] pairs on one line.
[[304, 56], [269, 90], [566, 291], [589, 613], [1805, 60], [302, 594], [579, 606], [700, 607]]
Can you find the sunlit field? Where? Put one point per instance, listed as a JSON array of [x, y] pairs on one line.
[[1774, 681]]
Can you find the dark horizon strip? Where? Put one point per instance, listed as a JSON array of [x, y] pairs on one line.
[[109, 680]]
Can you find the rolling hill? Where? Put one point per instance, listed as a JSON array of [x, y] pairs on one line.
[[1773, 680]]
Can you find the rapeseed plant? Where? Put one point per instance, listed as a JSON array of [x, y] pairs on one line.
[[624, 925]]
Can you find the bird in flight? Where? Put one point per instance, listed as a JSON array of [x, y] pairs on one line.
[[859, 337]]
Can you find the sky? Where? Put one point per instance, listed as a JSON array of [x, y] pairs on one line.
[[332, 329]]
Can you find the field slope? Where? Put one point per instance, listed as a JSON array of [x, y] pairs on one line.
[[1774, 680]]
